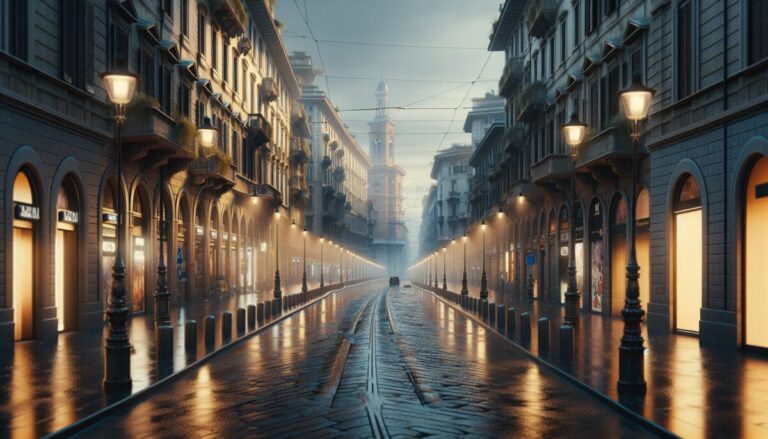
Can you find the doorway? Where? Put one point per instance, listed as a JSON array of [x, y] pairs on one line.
[[25, 213], [755, 242], [618, 255], [66, 257], [688, 256]]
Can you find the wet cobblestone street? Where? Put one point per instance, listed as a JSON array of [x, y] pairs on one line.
[[369, 362]]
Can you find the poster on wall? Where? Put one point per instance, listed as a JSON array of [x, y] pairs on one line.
[[578, 256], [597, 286]]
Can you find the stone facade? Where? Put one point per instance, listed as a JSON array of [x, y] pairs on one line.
[[702, 140], [221, 59]]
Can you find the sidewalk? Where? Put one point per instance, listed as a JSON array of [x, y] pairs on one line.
[[46, 386], [692, 391]]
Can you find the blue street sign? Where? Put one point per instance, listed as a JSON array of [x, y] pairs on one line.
[[530, 259]]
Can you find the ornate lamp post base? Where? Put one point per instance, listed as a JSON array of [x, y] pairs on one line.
[[117, 358]]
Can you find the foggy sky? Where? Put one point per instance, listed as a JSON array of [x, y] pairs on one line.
[[445, 23]]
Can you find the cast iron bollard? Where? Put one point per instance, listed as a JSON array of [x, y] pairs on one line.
[[500, 315], [251, 317], [226, 326], [525, 327], [190, 338], [484, 309], [260, 312], [164, 342], [491, 314], [210, 333], [566, 342], [511, 322], [240, 322], [268, 310], [543, 335]]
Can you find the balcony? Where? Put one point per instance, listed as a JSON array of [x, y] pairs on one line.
[[326, 163], [511, 77], [541, 16], [300, 124], [514, 138], [552, 167], [532, 101], [328, 192], [605, 148], [259, 130], [230, 15], [155, 139], [269, 89], [214, 170], [339, 174], [454, 196], [300, 156], [269, 193], [299, 196]]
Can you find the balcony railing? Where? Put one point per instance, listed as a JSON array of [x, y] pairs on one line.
[[514, 137], [259, 130], [156, 139], [214, 169], [532, 101], [511, 77], [231, 16], [605, 148], [269, 193], [552, 167], [454, 196], [541, 16]]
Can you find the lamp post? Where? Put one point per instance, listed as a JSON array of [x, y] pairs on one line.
[[464, 290], [322, 264], [277, 293], [304, 288], [120, 86], [162, 295], [445, 279], [453, 258], [573, 132], [434, 261], [636, 101], [341, 265], [483, 277]]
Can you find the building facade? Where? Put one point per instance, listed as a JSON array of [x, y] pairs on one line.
[[338, 168], [447, 207], [485, 111], [385, 181], [195, 59], [702, 157]]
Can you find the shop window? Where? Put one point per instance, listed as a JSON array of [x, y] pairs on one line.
[[597, 284], [755, 242], [688, 256], [643, 243], [66, 256], [618, 254], [26, 214]]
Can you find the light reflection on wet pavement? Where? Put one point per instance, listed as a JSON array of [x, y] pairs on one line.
[[340, 367]]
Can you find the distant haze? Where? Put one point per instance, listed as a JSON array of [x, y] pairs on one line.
[[445, 23]]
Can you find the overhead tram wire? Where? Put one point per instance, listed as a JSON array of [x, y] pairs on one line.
[[442, 81], [317, 44], [453, 117], [368, 43]]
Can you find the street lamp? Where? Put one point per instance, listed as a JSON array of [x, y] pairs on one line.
[[464, 290], [636, 101], [445, 281], [483, 277], [322, 264], [120, 86], [278, 293], [207, 133], [573, 131]]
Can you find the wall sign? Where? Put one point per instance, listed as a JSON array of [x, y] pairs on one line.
[[214, 234], [108, 247], [199, 231], [27, 212], [68, 216], [530, 259], [110, 218]]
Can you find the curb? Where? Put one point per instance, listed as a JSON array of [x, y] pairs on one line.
[[83, 423], [607, 400]]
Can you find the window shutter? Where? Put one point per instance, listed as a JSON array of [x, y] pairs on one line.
[[90, 68], [684, 50]]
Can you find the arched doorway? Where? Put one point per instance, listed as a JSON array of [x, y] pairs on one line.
[[182, 250], [225, 270], [26, 215], [578, 246], [552, 261], [213, 250], [755, 238], [139, 236], [66, 278], [618, 254], [242, 265], [643, 244], [200, 250], [163, 231], [562, 253], [108, 237], [597, 281], [688, 255]]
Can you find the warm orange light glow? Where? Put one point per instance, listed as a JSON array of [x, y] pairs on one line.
[[688, 273], [756, 276]]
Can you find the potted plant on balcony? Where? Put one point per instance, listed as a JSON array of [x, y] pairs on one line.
[[186, 133]]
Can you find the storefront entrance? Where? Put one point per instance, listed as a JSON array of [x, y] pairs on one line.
[[755, 302], [26, 214], [597, 283], [688, 256], [66, 257]]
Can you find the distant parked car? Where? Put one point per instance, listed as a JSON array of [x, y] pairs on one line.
[[394, 281], [407, 285]]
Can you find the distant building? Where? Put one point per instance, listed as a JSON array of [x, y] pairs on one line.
[[385, 180], [485, 112], [447, 207], [338, 168], [489, 182]]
